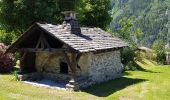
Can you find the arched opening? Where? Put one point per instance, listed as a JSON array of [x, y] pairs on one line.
[[63, 68]]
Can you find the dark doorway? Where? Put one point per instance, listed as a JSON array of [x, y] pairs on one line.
[[63, 68], [28, 65]]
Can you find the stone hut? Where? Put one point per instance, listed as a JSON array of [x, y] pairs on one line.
[[68, 53]]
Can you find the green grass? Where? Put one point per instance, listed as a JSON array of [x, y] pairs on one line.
[[152, 84]]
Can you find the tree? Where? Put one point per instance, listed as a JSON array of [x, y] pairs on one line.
[[125, 29], [17, 15], [126, 32], [138, 35], [158, 46], [151, 16], [7, 38], [94, 13]]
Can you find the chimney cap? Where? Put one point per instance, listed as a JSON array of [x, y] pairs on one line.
[[71, 14]]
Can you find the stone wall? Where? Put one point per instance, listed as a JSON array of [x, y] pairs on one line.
[[50, 62], [105, 66], [95, 68], [84, 63]]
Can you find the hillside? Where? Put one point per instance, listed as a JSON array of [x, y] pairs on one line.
[[151, 16]]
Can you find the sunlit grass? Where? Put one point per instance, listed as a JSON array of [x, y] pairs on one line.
[[153, 84]]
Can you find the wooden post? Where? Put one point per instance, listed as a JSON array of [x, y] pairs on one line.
[[23, 54], [73, 66], [75, 60], [72, 63], [20, 76]]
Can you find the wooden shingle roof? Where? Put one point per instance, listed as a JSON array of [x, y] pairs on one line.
[[89, 40]]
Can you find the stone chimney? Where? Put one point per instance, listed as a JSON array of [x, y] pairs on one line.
[[70, 18]]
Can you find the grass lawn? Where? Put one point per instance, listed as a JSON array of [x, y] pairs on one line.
[[152, 84]]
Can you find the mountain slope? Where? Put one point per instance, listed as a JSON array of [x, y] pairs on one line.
[[151, 16]]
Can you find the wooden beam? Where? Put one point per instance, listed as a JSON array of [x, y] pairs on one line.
[[22, 60], [77, 60], [38, 43], [106, 50], [42, 42], [67, 60], [78, 57], [45, 42], [23, 56], [72, 63]]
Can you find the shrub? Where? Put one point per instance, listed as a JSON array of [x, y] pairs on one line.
[[128, 58], [158, 46], [161, 57], [149, 55], [131, 66], [128, 55], [15, 75], [6, 60], [7, 38]]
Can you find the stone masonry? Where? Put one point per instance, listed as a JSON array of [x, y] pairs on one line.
[[104, 67], [94, 68]]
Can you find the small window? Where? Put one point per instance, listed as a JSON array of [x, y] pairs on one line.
[[63, 68]]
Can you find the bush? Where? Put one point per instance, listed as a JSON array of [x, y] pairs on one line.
[[149, 55], [8, 38], [128, 55], [131, 66], [128, 58], [161, 57], [158, 46], [6, 60]]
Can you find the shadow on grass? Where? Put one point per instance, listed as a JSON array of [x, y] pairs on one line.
[[126, 73], [149, 71], [110, 87]]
